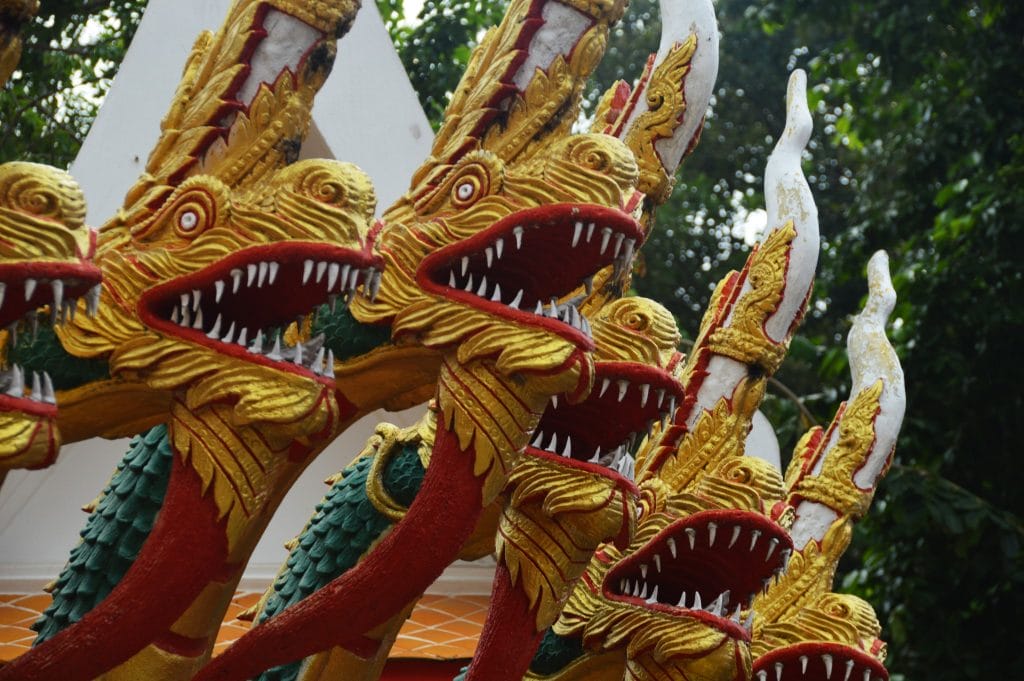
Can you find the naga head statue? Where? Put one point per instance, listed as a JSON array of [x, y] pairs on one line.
[[45, 262], [802, 628]]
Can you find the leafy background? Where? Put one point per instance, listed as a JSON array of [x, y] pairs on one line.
[[918, 149]]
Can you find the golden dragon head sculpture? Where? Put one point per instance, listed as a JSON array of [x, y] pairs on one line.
[[45, 261], [712, 529], [802, 629]]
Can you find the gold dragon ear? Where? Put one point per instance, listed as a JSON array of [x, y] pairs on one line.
[[242, 108], [749, 321]]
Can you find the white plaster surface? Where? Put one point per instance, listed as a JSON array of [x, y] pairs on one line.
[[762, 441], [560, 32]]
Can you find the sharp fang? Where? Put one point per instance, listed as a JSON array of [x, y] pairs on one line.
[[275, 352], [567, 450], [762, 675], [867, 674], [481, 290], [803, 664], [660, 392], [771, 548], [318, 362], [623, 387], [469, 284], [257, 343], [643, 591], [753, 538], [827, 659], [636, 589], [539, 310], [538, 440], [643, 571], [496, 296], [554, 401], [274, 267], [333, 270], [58, 294], [236, 279], [577, 231], [321, 269], [518, 233], [630, 245], [736, 615], [712, 532], [735, 535], [17, 386], [298, 355], [353, 279], [671, 546], [230, 335], [489, 254], [48, 395], [645, 391], [186, 317], [618, 243], [307, 271], [30, 288], [518, 299], [37, 387], [451, 279], [250, 272], [697, 605], [654, 595], [215, 331], [849, 670], [243, 336], [465, 264], [682, 600], [606, 235], [778, 671], [604, 387], [92, 306], [597, 456], [218, 287], [499, 247], [197, 297], [198, 323], [174, 316], [553, 444], [329, 367], [263, 270], [691, 534], [343, 277], [590, 231], [657, 562]]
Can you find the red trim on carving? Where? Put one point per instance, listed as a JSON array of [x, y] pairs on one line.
[[186, 550], [509, 638]]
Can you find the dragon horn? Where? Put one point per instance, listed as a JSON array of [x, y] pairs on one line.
[[661, 118], [752, 315]]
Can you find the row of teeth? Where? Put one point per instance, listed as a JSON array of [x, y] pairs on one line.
[[829, 664], [619, 459], [61, 308], [42, 386], [718, 607], [623, 386]]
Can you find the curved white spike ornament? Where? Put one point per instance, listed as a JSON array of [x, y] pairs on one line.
[[872, 360]]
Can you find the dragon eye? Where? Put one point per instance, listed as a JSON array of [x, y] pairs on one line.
[[188, 221], [465, 191]]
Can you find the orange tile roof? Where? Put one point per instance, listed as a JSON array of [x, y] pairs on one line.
[[441, 627]]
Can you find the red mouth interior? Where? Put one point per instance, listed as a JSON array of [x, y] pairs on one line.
[[26, 287], [240, 304], [709, 565], [606, 427], [526, 264], [819, 662]]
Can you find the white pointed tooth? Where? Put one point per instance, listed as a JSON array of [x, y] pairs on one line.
[[553, 310], [785, 555], [275, 352], [682, 600], [48, 395], [576, 232], [712, 532], [622, 585], [197, 323], [307, 271], [762, 675], [465, 264], [736, 615], [590, 231], [753, 538], [628, 253], [518, 233], [37, 387], [554, 401], [298, 355], [719, 605], [229, 337], [771, 548], [451, 279], [197, 297], [749, 623], [604, 386], [643, 591], [735, 535], [215, 331], [643, 570], [318, 362], [567, 450], [623, 387], [606, 235], [489, 255], [17, 386], [597, 456], [58, 293], [186, 317], [645, 391], [553, 444], [3, 292], [803, 664], [186, 302], [697, 605], [778, 671], [636, 589], [518, 299], [496, 295], [218, 287], [481, 290], [321, 269], [70, 308], [539, 310], [274, 268], [867, 674], [243, 336], [654, 595], [353, 279], [849, 670], [174, 315], [499, 248], [236, 279], [827, 660], [618, 243], [671, 546], [329, 366], [538, 440], [333, 270], [257, 343], [691, 535], [250, 273], [469, 284], [657, 562], [672, 405], [30, 288], [343, 277]]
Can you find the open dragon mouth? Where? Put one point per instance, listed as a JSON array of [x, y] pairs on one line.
[[24, 289], [526, 265], [239, 306], [819, 662], [601, 433], [709, 566]]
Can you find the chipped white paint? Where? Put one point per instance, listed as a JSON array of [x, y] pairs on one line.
[[762, 442], [562, 29]]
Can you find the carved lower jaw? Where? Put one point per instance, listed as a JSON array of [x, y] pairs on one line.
[[535, 266], [818, 661], [240, 306], [708, 566], [601, 433]]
